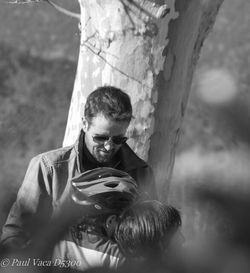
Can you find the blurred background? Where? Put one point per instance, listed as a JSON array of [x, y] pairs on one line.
[[38, 59]]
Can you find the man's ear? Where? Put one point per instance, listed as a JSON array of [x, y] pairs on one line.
[[85, 125]]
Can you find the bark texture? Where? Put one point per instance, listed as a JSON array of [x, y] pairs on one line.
[[149, 49], [186, 36]]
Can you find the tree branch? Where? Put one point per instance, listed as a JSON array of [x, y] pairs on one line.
[[57, 7], [88, 46], [63, 10]]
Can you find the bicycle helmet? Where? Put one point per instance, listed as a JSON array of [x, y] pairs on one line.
[[105, 190]]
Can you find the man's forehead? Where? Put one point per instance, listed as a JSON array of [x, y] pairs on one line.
[[102, 124]]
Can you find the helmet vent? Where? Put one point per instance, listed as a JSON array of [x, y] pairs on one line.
[[111, 184]]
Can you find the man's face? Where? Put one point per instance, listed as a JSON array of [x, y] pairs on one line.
[[103, 151]]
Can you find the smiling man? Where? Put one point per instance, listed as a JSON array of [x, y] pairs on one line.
[[103, 138], [101, 143], [107, 115]]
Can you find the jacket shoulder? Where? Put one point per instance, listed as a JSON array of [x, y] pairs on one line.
[[57, 156]]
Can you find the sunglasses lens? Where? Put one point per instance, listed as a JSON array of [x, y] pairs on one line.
[[116, 140], [119, 140], [100, 138]]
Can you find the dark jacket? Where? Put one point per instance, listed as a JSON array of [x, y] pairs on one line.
[[46, 186]]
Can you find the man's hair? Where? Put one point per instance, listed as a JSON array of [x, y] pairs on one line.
[[109, 101], [144, 226]]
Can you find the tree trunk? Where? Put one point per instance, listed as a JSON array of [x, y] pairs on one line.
[[149, 49]]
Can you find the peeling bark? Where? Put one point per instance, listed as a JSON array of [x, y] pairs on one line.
[[186, 35], [149, 49]]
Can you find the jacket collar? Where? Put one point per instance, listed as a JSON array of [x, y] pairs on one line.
[[128, 160]]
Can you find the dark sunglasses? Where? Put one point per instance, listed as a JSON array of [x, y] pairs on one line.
[[118, 140]]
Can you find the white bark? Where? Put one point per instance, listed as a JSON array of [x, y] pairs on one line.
[[150, 51]]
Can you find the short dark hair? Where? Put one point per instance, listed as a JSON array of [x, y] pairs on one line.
[[143, 226], [109, 101]]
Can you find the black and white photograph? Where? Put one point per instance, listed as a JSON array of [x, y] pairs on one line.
[[125, 136]]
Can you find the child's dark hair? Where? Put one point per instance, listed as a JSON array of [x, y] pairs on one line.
[[144, 226]]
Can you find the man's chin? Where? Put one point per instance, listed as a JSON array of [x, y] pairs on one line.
[[104, 158]]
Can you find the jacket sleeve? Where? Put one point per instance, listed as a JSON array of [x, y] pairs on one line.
[[32, 206]]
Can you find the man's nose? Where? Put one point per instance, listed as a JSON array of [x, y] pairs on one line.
[[109, 145]]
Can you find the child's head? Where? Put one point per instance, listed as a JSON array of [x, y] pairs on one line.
[[146, 229]]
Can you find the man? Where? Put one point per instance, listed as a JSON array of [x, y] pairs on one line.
[[102, 142]]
